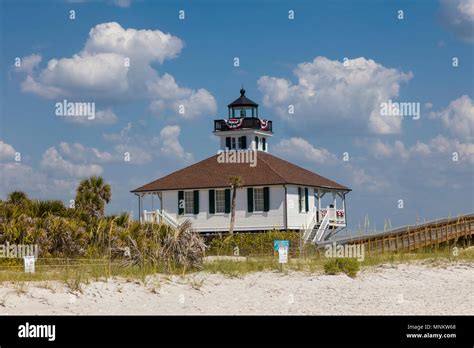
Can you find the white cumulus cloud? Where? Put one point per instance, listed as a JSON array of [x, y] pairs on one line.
[[143, 149], [29, 63], [170, 146], [458, 117], [184, 102], [458, 17], [56, 164], [77, 152], [329, 92], [116, 64], [303, 150], [7, 152], [106, 116]]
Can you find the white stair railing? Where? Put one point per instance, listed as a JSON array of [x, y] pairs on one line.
[[157, 216], [310, 227], [322, 228], [168, 218]]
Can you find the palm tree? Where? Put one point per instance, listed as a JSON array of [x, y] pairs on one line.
[[17, 197], [235, 182], [92, 194]]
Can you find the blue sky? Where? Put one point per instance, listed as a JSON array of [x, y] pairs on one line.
[[282, 62]]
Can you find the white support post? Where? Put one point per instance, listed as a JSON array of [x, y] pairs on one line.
[[160, 196], [319, 205], [344, 208], [140, 207]]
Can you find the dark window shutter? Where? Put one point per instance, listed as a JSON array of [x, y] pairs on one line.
[[227, 201], [266, 198], [299, 200], [212, 202], [264, 144], [250, 199], [180, 202], [306, 199], [227, 142], [244, 142], [196, 201], [256, 143]]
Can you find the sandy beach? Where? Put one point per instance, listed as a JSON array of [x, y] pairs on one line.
[[387, 289]]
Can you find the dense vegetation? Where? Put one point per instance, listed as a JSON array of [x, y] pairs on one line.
[[84, 231]]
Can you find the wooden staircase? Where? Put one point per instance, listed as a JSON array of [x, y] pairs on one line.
[[315, 232]]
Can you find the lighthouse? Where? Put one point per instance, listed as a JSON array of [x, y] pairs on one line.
[[243, 129]]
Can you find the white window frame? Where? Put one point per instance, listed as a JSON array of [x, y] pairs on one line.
[[302, 202], [216, 205], [188, 199], [255, 209]]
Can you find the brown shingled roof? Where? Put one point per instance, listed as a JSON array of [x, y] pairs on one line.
[[270, 170]]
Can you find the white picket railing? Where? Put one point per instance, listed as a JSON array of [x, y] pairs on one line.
[[157, 216]]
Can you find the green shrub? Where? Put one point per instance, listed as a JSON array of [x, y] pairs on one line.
[[42, 208], [248, 244], [348, 266]]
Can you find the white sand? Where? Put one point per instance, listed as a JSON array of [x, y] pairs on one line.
[[400, 289]]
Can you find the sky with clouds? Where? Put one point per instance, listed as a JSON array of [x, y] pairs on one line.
[[335, 64]]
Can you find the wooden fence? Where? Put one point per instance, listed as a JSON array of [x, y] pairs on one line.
[[418, 236]]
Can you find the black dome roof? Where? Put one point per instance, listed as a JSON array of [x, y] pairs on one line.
[[242, 101]]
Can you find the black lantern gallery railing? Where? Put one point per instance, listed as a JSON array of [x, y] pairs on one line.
[[242, 123]]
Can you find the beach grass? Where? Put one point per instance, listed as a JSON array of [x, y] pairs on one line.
[[84, 271]]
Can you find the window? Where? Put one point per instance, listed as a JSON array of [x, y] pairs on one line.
[[264, 144], [188, 202], [233, 144], [302, 200], [256, 143], [258, 199], [242, 142], [220, 201]]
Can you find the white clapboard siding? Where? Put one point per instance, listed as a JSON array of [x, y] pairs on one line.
[[297, 220], [204, 221]]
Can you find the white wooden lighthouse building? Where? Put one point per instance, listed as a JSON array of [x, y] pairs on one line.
[[275, 194]]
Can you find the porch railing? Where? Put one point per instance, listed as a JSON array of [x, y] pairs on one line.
[[336, 216], [159, 217]]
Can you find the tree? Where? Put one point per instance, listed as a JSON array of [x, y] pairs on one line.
[[92, 194], [235, 182], [18, 198]]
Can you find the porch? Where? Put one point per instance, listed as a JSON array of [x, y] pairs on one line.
[[336, 210]]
